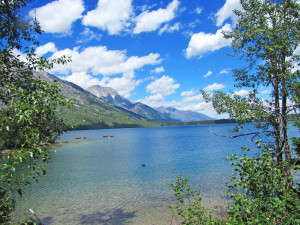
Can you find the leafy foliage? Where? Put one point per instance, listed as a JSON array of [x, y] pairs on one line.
[[259, 192], [266, 35], [188, 205], [28, 116]]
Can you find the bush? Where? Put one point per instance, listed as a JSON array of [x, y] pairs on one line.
[[259, 190], [258, 187], [189, 206]]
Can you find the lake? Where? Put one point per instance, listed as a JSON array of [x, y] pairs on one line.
[[101, 180]]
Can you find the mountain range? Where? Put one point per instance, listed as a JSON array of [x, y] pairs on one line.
[[110, 95], [103, 107], [89, 111], [162, 114], [183, 115]]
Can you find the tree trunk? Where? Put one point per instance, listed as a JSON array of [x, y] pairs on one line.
[[277, 124]]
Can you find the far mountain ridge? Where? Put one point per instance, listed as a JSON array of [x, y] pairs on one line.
[[91, 112], [110, 95], [161, 114], [183, 115]]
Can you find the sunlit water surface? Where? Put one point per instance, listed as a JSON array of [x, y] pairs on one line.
[[101, 180]]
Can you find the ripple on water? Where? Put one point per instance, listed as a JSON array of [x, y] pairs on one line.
[[101, 181]]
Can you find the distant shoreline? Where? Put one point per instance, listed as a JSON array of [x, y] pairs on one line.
[[157, 124], [95, 126]]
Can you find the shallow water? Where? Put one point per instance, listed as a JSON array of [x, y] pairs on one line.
[[102, 181]]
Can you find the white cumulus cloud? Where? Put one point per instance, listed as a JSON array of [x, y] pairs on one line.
[[150, 21], [198, 97], [158, 70], [169, 29], [202, 43], [198, 10], [22, 57], [42, 50], [214, 87], [188, 93], [87, 35], [209, 73], [83, 80], [58, 16], [151, 98], [165, 85], [243, 93], [224, 71], [123, 85], [110, 15], [227, 12], [99, 60]]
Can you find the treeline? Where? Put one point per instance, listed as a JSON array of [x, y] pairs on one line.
[[221, 121], [103, 125]]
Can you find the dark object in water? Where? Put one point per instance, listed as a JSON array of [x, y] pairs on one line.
[[108, 136], [80, 138], [33, 213], [143, 165]]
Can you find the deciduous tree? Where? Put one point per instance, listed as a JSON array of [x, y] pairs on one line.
[[267, 37], [28, 105]]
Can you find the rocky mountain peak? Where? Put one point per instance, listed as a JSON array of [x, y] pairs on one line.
[[100, 91], [112, 96]]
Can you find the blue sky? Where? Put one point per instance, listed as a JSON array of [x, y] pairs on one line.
[[156, 52]]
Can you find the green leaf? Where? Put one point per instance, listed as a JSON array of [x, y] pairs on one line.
[[44, 170]]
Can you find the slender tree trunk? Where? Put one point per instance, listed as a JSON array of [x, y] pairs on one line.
[[284, 122], [286, 146], [277, 129]]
